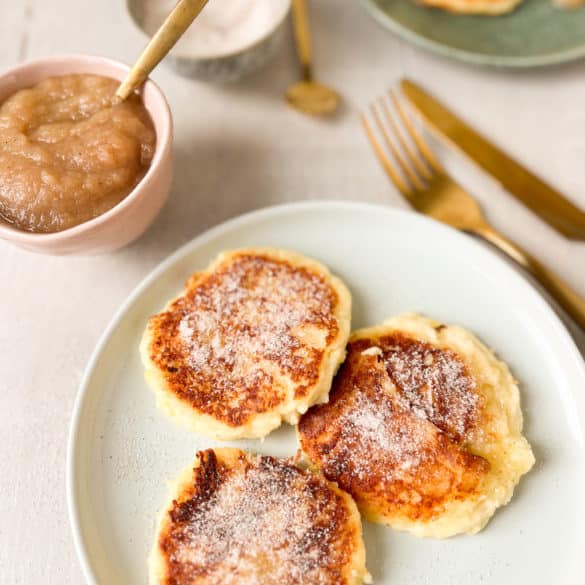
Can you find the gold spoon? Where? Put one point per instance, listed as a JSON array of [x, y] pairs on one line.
[[307, 95], [161, 43]]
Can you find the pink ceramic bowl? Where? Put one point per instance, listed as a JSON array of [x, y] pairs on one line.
[[129, 219]]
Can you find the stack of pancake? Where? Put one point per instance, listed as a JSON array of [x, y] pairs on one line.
[[420, 429]]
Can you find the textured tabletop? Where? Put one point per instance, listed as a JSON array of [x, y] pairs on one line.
[[237, 148]]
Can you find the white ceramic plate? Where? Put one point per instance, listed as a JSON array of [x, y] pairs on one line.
[[122, 449]]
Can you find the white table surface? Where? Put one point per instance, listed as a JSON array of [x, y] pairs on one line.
[[237, 148]]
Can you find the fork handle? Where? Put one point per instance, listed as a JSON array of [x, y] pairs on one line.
[[567, 298]]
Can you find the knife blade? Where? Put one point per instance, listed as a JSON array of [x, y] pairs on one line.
[[532, 191]]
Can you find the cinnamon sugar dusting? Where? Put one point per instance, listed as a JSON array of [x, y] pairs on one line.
[[226, 344], [258, 520], [392, 432]]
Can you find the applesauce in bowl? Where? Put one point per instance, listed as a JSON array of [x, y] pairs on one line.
[[136, 211], [69, 152]]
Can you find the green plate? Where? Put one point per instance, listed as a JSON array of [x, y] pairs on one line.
[[535, 34]]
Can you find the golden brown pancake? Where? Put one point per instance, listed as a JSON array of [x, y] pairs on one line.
[[423, 428], [254, 339], [239, 519], [485, 7]]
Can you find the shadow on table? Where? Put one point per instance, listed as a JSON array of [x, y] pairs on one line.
[[216, 178]]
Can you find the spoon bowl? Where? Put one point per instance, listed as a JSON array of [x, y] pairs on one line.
[[308, 96], [312, 98]]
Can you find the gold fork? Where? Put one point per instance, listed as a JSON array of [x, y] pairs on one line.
[[421, 179]]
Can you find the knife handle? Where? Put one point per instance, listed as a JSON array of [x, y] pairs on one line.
[[567, 298]]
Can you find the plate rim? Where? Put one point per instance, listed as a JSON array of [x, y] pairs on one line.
[[470, 57], [209, 234]]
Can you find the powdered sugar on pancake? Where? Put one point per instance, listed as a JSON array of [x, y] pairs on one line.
[[262, 520], [375, 438], [252, 313], [435, 382], [394, 449]]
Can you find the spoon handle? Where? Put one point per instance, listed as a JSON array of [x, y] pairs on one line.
[[161, 43], [303, 37]]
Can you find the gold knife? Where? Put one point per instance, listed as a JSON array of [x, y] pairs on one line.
[[541, 198]]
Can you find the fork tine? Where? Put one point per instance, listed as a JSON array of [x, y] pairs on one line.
[[385, 159], [422, 146], [411, 152], [402, 163]]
